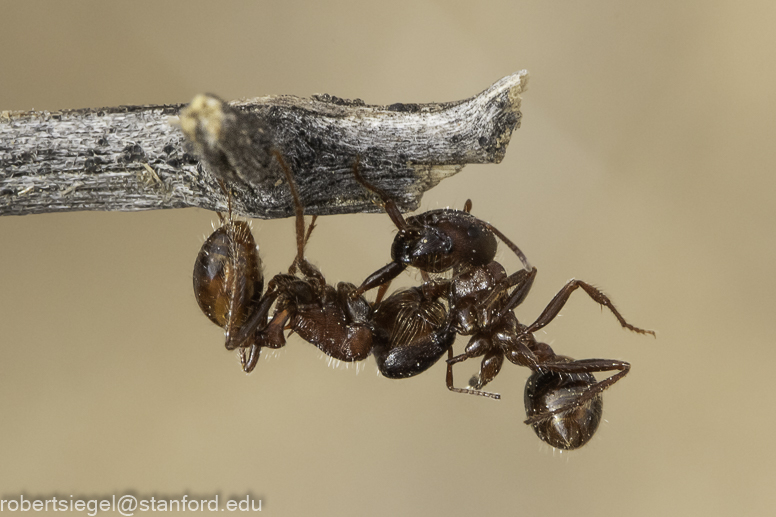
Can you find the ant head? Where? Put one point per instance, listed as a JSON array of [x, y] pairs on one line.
[[439, 240], [424, 247]]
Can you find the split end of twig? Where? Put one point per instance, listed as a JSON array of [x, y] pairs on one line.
[[235, 146], [201, 120]]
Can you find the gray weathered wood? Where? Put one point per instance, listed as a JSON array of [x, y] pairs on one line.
[[136, 157]]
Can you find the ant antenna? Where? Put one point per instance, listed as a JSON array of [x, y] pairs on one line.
[[510, 244]]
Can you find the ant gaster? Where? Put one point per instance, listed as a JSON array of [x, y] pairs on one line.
[[409, 330], [546, 392], [228, 278]]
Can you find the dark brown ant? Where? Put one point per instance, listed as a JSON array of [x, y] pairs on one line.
[[481, 305], [228, 282], [563, 398]]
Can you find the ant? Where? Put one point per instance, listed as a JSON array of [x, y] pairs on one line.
[[563, 400]]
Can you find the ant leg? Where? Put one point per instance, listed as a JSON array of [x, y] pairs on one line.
[[272, 336], [298, 208], [583, 366], [301, 237], [257, 321], [381, 276], [450, 361], [310, 229], [523, 280], [307, 268], [489, 368], [560, 299], [228, 193], [249, 358], [381, 293], [388, 204]]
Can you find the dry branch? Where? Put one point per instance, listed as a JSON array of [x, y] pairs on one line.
[[136, 157]]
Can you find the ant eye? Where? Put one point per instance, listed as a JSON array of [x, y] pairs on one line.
[[566, 429]]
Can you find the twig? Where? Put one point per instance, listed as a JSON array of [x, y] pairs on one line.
[[136, 157]]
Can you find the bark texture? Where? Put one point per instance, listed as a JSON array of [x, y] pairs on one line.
[[171, 156]]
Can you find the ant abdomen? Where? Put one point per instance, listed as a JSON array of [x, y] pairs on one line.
[[228, 279], [570, 429], [408, 332]]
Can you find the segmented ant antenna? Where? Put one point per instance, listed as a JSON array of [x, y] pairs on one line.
[[467, 207], [510, 244]]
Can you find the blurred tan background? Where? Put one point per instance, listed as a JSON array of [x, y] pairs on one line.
[[645, 165]]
